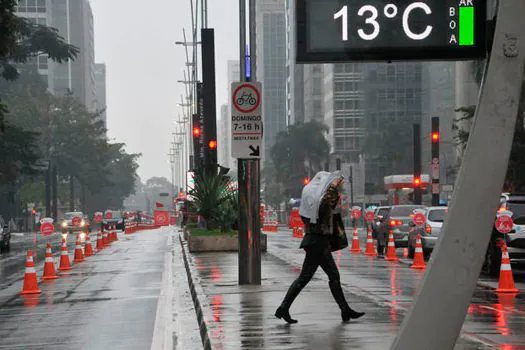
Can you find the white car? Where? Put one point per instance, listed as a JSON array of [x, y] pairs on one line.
[[435, 216]]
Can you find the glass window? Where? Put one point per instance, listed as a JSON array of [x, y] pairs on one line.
[[437, 215], [405, 210]]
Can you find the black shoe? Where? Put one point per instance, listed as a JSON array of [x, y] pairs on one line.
[[346, 315], [284, 313]]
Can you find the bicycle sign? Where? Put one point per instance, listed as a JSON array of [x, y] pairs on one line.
[[246, 120], [246, 98]]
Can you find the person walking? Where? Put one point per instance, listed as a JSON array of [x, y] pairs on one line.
[[324, 233]]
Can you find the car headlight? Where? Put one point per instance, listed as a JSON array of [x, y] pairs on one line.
[[82, 235], [64, 224], [82, 223]]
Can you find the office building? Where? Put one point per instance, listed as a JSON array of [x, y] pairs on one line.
[[100, 91], [223, 137], [271, 67], [74, 22], [313, 93], [294, 72], [234, 72]]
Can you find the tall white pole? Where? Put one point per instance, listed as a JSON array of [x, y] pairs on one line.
[[438, 312]]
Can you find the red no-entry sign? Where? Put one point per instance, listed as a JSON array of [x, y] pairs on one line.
[[76, 221], [109, 215], [370, 216], [356, 213], [47, 229], [419, 219], [98, 218], [504, 224]]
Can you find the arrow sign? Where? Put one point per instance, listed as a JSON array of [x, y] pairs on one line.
[[255, 151]]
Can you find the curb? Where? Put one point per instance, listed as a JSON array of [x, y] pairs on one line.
[[196, 303]]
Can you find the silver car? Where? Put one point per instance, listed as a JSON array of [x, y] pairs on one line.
[[398, 220], [429, 233]]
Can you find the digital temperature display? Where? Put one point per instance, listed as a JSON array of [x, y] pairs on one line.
[[385, 30]]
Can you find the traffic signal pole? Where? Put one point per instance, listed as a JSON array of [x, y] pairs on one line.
[[249, 170], [437, 314], [417, 164], [434, 166]]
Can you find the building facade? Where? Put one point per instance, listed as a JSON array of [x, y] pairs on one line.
[[100, 91], [74, 22], [295, 99], [223, 137], [272, 68]]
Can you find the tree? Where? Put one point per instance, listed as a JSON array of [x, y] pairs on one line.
[[21, 40], [299, 152]]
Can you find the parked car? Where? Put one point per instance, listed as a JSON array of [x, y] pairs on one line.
[[430, 233], [66, 224], [515, 240], [116, 219], [397, 220], [5, 235]]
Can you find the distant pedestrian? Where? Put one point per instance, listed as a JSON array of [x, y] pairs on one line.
[[324, 234]]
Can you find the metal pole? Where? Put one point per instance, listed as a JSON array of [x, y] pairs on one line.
[[438, 312], [351, 185], [54, 181], [249, 176], [48, 189], [435, 160], [417, 163]]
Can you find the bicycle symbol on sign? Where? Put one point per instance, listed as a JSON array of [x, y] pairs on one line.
[[246, 98]]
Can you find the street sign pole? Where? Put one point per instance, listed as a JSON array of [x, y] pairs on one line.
[[248, 171], [434, 166], [453, 271]]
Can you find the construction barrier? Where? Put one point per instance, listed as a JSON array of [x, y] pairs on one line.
[[270, 221]]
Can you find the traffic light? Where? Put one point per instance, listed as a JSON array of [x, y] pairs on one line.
[[435, 137], [434, 161], [196, 131], [417, 181], [306, 180], [33, 211], [212, 144]]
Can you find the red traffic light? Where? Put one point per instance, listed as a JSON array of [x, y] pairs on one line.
[[212, 144], [435, 137], [33, 211], [417, 181], [196, 131], [306, 181]]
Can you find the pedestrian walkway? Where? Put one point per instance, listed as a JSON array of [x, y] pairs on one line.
[[241, 317]]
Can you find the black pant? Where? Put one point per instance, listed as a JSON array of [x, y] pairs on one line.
[[315, 257]]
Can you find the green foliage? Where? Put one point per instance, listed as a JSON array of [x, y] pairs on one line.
[[298, 152], [18, 153], [209, 194], [215, 232], [229, 212]]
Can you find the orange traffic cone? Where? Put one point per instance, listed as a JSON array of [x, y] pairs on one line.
[[65, 265], [419, 259], [391, 254], [105, 240], [506, 281], [79, 256], [99, 241], [49, 265], [300, 233], [356, 248], [88, 247], [115, 235], [30, 282], [370, 248]]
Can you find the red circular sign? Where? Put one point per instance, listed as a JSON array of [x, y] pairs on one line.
[[246, 102], [161, 218], [356, 213], [47, 229], [98, 218], [370, 216], [76, 221], [109, 215], [419, 219], [504, 224]]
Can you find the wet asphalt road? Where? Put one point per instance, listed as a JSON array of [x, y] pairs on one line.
[[109, 301], [241, 317]]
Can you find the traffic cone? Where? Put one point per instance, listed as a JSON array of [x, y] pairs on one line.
[[105, 241], [99, 241], [300, 233], [506, 281], [65, 265], [419, 259], [391, 254], [370, 248], [356, 248], [30, 282], [49, 265], [88, 248], [79, 256], [115, 235]]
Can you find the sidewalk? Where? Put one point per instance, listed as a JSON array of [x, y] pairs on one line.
[[241, 317]]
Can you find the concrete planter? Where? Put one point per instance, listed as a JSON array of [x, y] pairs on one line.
[[221, 243]]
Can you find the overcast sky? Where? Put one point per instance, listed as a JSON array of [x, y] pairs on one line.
[[136, 41]]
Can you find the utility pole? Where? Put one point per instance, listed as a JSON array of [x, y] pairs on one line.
[[249, 169], [417, 164], [209, 117], [351, 186]]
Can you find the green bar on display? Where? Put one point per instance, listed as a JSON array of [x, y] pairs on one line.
[[466, 26]]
